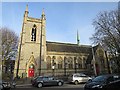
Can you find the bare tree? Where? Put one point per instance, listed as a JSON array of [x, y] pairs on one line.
[[107, 32], [9, 44]]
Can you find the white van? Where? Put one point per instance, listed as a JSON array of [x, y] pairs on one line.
[[78, 78]]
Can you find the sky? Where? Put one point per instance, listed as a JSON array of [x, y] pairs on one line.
[[63, 19]]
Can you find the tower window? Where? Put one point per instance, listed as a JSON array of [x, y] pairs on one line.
[[33, 34]]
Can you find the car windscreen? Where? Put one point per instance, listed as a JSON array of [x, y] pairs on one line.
[[100, 79], [71, 75], [35, 78], [40, 78]]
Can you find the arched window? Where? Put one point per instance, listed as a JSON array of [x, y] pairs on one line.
[[79, 63], [70, 63], [101, 57], [48, 62], [60, 63], [33, 33], [84, 63]]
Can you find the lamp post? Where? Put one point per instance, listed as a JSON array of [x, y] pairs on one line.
[[53, 68]]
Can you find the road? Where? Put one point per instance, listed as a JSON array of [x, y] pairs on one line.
[[65, 86]]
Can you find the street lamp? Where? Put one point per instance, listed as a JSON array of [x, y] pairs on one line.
[[53, 68]]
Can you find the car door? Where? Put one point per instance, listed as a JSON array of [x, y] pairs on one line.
[[53, 81], [84, 77], [46, 81], [112, 83]]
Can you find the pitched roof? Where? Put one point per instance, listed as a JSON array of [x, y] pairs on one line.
[[67, 47]]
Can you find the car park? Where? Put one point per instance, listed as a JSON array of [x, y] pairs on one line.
[[103, 82], [78, 78], [41, 81]]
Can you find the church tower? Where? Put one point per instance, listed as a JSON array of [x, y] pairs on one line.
[[32, 46]]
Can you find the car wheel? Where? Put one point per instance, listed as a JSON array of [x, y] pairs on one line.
[[76, 82], [39, 85], [60, 83]]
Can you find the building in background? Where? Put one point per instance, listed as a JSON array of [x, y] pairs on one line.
[[36, 56]]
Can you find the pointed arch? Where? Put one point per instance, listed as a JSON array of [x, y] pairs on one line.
[[60, 62], [32, 60], [70, 62], [48, 62], [31, 65], [100, 54], [53, 60], [79, 60], [84, 62]]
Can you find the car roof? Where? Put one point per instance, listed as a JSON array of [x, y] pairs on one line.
[[78, 73], [108, 75], [45, 76]]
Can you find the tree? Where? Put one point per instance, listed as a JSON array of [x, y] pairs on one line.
[[9, 45], [107, 32]]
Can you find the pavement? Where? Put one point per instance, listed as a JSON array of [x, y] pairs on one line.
[[21, 85], [23, 82], [26, 82]]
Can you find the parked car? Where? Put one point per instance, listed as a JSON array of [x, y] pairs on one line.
[[78, 78], [103, 82], [41, 81], [5, 85], [113, 85], [1, 86]]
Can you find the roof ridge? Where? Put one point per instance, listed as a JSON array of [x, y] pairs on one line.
[[69, 44]]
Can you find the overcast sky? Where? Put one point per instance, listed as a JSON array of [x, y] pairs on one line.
[[63, 19]]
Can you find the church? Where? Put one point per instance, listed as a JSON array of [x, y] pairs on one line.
[[36, 56]]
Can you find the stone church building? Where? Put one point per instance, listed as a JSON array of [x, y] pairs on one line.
[[36, 56]]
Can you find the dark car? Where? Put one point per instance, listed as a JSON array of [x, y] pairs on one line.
[[41, 81], [103, 82], [113, 85]]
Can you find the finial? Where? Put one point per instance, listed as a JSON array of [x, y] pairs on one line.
[[43, 13], [26, 8]]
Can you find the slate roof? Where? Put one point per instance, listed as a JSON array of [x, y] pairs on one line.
[[71, 48], [67, 47]]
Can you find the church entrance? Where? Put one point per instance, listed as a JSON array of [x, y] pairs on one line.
[[97, 69], [31, 71]]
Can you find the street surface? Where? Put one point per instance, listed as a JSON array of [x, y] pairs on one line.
[[65, 86]]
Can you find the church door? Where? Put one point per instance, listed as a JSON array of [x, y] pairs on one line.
[[31, 71], [97, 69]]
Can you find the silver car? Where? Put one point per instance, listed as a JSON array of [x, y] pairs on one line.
[[78, 78]]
